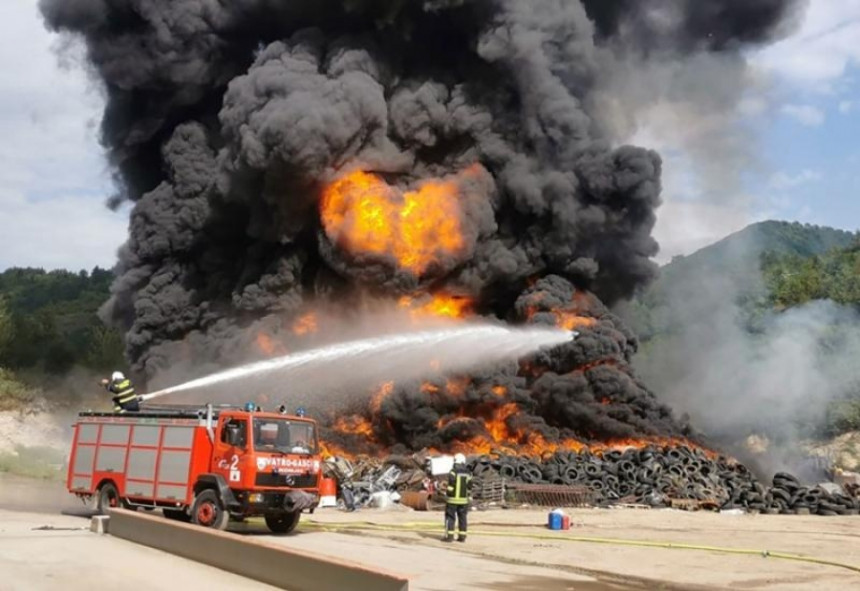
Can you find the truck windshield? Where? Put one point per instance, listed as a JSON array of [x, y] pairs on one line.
[[284, 435]]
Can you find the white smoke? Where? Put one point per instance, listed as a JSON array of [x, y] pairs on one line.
[[322, 376], [777, 382]]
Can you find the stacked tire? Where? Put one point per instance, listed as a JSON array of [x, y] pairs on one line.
[[656, 475], [790, 496]]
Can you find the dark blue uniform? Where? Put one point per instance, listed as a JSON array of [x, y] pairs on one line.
[[124, 398]]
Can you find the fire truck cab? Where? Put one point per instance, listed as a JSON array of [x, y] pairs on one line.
[[200, 464]]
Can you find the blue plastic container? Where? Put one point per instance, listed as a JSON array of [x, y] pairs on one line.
[[558, 520]]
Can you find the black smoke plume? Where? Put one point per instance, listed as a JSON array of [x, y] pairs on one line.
[[225, 121]]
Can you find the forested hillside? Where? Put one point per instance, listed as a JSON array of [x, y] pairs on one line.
[[793, 280], [691, 287], [48, 321]]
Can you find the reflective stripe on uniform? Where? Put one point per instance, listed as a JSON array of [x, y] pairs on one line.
[[458, 493], [123, 398], [122, 388]]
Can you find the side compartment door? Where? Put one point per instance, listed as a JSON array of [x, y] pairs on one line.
[[83, 457], [230, 449]]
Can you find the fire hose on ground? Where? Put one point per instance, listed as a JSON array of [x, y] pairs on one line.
[[433, 529]]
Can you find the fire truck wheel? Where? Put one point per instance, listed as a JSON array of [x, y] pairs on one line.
[[107, 498], [282, 523], [208, 511]]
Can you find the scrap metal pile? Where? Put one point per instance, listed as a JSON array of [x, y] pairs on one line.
[[373, 482], [680, 477]]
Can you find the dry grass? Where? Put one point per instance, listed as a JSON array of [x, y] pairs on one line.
[[14, 395], [34, 462]]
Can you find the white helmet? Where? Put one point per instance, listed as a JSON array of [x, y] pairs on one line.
[[117, 375], [459, 459]]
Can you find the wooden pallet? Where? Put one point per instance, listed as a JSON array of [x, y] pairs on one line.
[[489, 490]]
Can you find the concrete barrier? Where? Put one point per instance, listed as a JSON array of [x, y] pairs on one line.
[[268, 563], [99, 524]]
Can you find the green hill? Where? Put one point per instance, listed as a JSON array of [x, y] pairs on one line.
[[792, 280], [769, 236], [48, 321], [690, 286]]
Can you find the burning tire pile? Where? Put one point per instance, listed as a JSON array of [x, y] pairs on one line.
[[664, 477], [443, 157]]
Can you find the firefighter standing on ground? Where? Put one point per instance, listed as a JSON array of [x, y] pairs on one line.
[[124, 398], [457, 500]]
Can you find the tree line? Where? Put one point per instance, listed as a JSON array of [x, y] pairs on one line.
[[49, 321], [793, 280]]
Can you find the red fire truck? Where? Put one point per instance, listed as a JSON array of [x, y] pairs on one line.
[[199, 464]]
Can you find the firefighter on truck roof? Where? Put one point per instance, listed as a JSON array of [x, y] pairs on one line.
[[124, 398]]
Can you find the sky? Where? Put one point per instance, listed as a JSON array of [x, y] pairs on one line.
[[54, 181], [801, 122], [803, 115]]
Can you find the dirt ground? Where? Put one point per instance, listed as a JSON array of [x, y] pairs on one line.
[[46, 545], [504, 536], [43, 552], [512, 549]]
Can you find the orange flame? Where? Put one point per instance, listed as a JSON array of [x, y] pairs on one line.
[[305, 324], [570, 321], [329, 449], [564, 318], [353, 425], [269, 346], [363, 214], [381, 394], [502, 435], [477, 445], [496, 426], [439, 305], [457, 386], [531, 445], [568, 316], [429, 388]]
